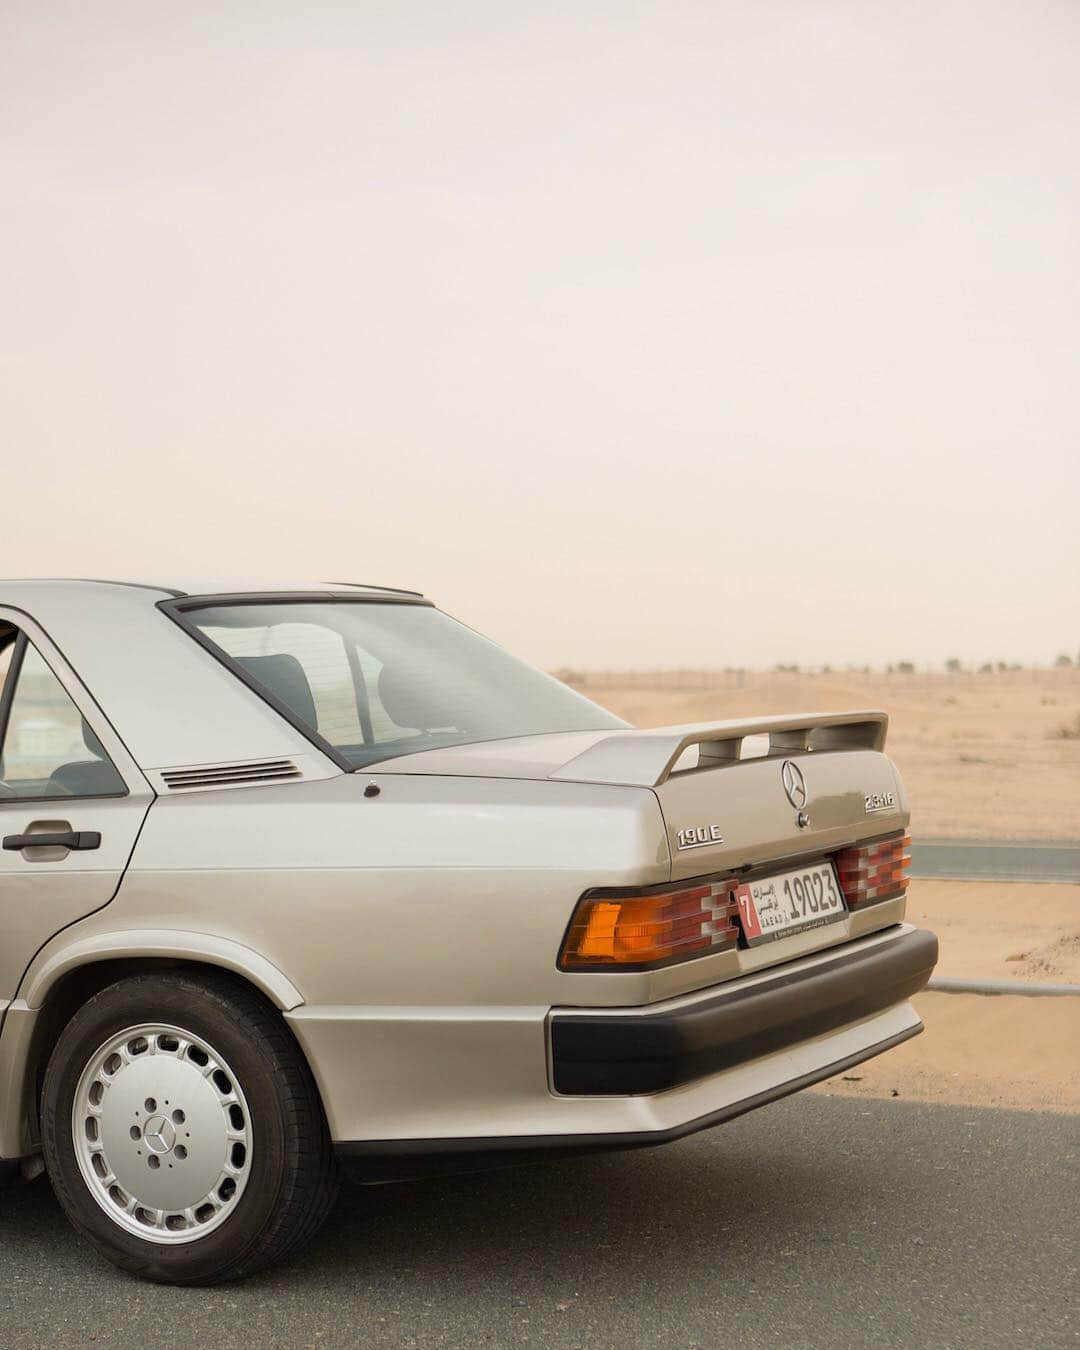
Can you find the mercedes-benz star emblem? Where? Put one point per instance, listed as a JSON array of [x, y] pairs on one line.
[[794, 784], [160, 1135]]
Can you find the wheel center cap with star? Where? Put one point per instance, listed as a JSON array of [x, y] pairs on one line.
[[160, 1134]]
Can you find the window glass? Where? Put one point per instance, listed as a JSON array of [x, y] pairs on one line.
[[382, 679], [323, 659], [49, 750]]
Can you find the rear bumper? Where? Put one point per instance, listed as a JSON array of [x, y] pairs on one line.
[[637, 1051], [423, 1079]]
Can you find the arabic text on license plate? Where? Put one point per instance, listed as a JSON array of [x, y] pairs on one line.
[[789, 903]]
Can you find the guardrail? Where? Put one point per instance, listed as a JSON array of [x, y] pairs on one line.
[[949, 984], [984, 860]]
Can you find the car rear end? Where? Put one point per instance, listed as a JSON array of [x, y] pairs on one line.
[[777, 954], [773, 955], [548, 927]]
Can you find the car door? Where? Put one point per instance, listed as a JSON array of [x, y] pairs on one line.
[[72, 800]]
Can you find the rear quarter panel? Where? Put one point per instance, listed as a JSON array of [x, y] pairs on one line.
[[437, 891]]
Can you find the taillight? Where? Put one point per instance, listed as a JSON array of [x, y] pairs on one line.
[[873, 872], [639, 932]]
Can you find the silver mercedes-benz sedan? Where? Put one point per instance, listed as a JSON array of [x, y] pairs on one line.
[[292, 873]]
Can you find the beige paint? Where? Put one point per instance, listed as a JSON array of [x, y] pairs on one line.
[[412, 937], [45, 890]]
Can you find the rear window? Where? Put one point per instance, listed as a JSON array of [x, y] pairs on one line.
[[378, 679]]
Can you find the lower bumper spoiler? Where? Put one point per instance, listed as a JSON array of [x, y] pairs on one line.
[[376, 1160]]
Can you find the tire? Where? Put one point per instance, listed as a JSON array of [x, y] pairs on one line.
[[165, 1088]]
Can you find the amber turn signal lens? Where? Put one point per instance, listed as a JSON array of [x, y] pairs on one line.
[[873, 872], [643, 931]]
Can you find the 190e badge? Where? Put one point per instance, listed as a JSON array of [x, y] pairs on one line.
[[697, 836]]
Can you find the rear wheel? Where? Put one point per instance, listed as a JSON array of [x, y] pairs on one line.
[[183, 1132]]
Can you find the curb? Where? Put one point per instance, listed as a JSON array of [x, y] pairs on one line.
[[944, 984]]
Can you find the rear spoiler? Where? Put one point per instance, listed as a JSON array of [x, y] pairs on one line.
[[647, 758]]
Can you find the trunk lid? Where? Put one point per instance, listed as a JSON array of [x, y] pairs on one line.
[[740, 793], [722, 786], [748, 806], [730, 796]]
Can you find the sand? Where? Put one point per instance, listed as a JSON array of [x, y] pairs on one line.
[[977, 1050], [995, 930], [1010, 1051], [982, 755]]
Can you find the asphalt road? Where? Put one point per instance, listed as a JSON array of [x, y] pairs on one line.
[[816, 1222]]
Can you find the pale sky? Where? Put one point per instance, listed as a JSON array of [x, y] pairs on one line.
[[636, 334]]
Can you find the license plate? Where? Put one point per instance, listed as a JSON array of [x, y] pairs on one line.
[[789, 902]]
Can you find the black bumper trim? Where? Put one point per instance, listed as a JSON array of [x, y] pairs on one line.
[[381, 1159], [635, 1052]]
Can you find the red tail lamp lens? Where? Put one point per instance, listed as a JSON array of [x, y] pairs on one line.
[[642, 931], [873, 872]]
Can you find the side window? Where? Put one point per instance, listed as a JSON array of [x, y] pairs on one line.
[[48, 749]]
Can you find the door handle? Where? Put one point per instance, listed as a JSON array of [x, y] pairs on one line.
[[68, 839]]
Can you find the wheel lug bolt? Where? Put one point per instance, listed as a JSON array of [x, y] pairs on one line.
[[136, 1133]]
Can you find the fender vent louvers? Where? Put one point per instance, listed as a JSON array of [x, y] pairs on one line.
[[231, 775]]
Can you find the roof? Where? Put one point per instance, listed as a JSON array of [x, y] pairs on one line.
[[184, 586]]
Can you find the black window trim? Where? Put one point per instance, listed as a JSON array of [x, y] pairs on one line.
[[178, 610], [11, 680]]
